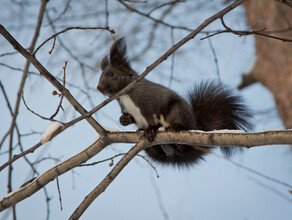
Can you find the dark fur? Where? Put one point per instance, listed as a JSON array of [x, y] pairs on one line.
[[210, 107]]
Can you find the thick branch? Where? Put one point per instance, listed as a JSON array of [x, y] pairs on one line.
[[184, 137]]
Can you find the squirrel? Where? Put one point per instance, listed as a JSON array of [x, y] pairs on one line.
[[153, 107]]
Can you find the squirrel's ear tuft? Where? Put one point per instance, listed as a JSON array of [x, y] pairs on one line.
[[105, 62], [118, 53]]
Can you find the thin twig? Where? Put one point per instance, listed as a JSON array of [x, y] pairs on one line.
[[17, 69], [152, 18], [67, 6], [106, 13], [54, 43], [154, 28], [215, 58], [33, 112], [259, 32], [59, 192], [62, 95], [245, 168], [17, 156], [172, 59], [272, 189], [163, 5], [118, 155], [72, 28]]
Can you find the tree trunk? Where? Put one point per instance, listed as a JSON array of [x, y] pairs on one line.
[[273, 65]]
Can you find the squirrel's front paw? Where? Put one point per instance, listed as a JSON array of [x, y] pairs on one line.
[[127, 119], [149, 133]]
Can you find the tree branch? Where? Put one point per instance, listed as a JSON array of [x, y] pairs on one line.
[[183, 137], [44, 72]]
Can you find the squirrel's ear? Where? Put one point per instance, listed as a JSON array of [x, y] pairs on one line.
[[105, 62], [118, 53]]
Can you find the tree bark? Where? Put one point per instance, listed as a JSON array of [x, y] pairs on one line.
[[273, 64]]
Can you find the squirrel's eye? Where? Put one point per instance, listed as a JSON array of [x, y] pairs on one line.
[[110, 74]]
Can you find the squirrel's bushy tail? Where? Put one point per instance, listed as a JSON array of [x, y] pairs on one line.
[[216, 107]]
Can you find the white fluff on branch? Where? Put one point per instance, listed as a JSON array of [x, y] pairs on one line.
[[273, 129], [230, 131], [51, 131]]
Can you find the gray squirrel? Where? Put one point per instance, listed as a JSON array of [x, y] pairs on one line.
[[211, 106]]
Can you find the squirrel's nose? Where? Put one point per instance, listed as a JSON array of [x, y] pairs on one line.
[[99, 88]]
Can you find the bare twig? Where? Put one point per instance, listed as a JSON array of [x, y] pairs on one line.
[[6, 97], [154, 28], [159, 199], [152, 18], [148, 161], [33, 112], [163, 5], [258, 32], [118, 155], [244, 167], [133, 1], [102, 161], [8, 54], [59, 192], [172, 60], [106, 13], [17, 156], [62, 95], [17, 69], [215, 58], [67, 6], [272, 189], [54, 43], [72, 28]]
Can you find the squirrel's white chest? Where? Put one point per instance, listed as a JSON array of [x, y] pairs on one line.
[[130, 107]]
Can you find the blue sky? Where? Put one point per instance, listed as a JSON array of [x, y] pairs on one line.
[[214, 189]]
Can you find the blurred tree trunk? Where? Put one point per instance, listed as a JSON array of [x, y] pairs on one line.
[[273, 65]]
